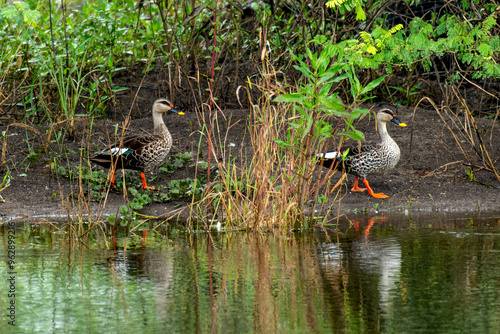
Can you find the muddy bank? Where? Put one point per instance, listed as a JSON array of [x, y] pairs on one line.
[[430, 178]]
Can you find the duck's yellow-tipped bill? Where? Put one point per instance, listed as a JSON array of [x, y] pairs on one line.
[[402, 124]]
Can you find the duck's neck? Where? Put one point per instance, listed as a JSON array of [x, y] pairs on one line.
[[160, 129], [384, 135]]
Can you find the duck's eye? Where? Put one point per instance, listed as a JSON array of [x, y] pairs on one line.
[[171, 105]]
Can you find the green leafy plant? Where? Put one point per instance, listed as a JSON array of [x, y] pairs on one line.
[[21, 13], [70, 85], [177, 161], [126, 216], [314, 105], [185, 188], [472, 177], [139, 199], [348, 5]]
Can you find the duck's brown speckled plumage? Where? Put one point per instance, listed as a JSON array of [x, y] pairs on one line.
[[370, 158], [143, 153]]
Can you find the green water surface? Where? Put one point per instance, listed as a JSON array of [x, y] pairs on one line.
[[375, 276]]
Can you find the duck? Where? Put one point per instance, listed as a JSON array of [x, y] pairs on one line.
[[142, 152], [367, 159]]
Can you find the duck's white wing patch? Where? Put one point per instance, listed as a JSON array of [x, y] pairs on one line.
[[329, 155], [115, 151]]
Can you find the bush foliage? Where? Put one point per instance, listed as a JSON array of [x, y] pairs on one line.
[[37, 37]]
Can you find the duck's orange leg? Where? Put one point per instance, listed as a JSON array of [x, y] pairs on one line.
[[370, 191], [113, 179], [355, 186], [144, 184]]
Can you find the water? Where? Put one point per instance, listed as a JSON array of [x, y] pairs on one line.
[[377, 276]]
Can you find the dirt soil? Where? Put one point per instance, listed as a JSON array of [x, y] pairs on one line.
[[430, 177]]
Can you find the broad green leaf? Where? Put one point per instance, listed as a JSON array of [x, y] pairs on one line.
[[111, 219], [402, 90], [333, 103], [304, 69], [302, 112], [294, 97], [372, 85], [325, 89], [355, 85], [281, 142], [325, 77], [312, 57], [355, 134], [340, 78], [335, 70], [123, 209], [319, 39], [308, 126], [360, 13]]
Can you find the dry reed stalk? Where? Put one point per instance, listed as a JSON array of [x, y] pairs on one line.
[[274, 189], [465, 132]]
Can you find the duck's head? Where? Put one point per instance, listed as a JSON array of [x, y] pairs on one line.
[[387, 115], [163, 105]]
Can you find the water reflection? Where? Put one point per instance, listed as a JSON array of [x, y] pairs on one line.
[[377, 260], [376, 275]]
